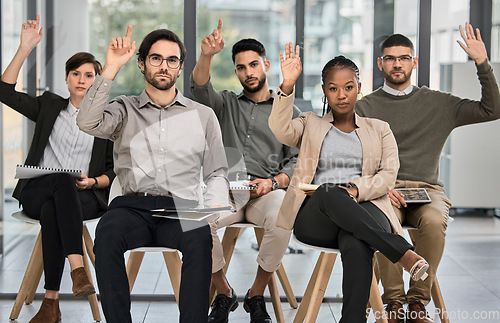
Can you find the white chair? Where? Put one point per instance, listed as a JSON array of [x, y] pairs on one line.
[[34, 270], [231, 234], [436, 295], [171, 256], [315, 291]]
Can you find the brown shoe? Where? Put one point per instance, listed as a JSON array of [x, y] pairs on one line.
[[48, 313], [417, 314], [395, 312], [82, 287]]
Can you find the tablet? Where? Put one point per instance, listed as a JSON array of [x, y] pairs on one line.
[[415, 195]]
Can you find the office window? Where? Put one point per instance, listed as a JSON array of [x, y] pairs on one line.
[[447, 16], [12, 19], [336, 27], [495, 32], [110, 18], [272, 22]]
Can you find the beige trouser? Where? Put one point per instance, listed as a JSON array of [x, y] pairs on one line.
[[431, 219], [263, 212]]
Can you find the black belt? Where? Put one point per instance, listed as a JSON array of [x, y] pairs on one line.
[[148, 194]]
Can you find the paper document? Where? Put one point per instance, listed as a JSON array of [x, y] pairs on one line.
[[308, 188], [193, 214]]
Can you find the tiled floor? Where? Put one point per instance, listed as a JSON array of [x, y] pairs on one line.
[[468, 276]]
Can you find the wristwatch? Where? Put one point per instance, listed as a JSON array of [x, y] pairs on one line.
[[96, 184], [275, 183]]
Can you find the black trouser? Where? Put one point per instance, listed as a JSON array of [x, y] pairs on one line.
[[128, 224], [331, 218], [61, 208]]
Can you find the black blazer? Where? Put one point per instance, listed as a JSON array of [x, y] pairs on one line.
[[43, 110]]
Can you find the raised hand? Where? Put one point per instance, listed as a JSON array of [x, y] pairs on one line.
[[474, 45], [31, 35], [213, 43], [291, 67], [120, 51]]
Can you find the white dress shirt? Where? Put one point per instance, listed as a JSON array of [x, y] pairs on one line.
[[68, 146]]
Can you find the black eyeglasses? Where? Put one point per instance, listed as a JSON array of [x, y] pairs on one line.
[[388, 59], [157, 60]]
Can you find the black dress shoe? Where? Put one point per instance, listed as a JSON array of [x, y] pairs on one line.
[[256, 306], [221, 307]]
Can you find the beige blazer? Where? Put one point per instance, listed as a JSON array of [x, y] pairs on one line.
[[307, 131]]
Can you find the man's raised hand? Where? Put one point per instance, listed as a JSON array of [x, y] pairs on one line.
[[474, 45], [213, 43], [120, 51]]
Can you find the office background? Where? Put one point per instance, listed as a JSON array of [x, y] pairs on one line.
[[323, 29], [468, 274]]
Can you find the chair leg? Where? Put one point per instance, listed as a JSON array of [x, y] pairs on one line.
[[94, 306], [376, 301], [174, 264], [275, 299], [89, 244], [228, 243], [30, 281], [437, 297], [305, 304], [318, 293], [273, 288], [133, 265], [37, 275], [285, 283]]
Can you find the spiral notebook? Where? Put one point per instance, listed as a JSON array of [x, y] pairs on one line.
[[27, 171], [241, 186]]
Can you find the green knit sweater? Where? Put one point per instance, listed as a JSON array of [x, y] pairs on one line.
[[422, 121]]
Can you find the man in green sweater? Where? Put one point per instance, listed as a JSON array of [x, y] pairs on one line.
[[421, 120]]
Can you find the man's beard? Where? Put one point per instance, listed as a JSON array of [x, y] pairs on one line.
[[255, 88], [163, 86], [397, 79]]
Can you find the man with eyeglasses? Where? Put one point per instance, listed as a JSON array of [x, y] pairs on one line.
[[253, 154], [421, 120], [161, 142]]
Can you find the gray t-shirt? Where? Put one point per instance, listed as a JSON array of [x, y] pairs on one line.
[[341, 158]]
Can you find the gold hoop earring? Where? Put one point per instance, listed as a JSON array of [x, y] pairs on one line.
[[360, 95]]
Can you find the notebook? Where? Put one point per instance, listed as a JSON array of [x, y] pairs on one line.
[[415, 195], [27, 171], [241, 186]]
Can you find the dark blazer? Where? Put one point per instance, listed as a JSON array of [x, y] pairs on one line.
[[43, 110]]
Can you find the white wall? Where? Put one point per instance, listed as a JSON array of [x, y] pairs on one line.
[[475, 149]]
